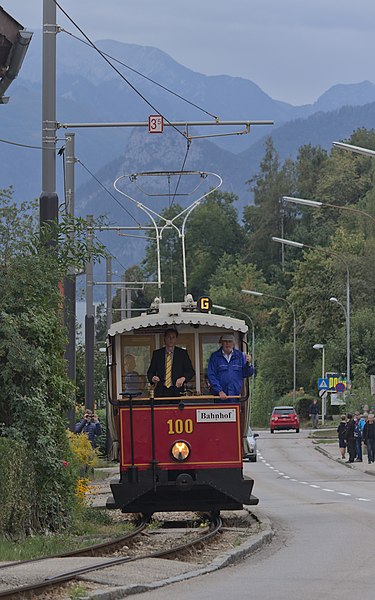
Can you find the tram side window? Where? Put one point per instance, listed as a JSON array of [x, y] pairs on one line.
[[136, 359]]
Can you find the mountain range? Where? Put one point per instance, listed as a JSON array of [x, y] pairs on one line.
[[88, 90]]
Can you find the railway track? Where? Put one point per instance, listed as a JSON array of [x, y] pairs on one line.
[[215, 525], [89, 550]]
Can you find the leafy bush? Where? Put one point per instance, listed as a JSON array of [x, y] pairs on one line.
[[17, 481], [35, 391], [83, 453]]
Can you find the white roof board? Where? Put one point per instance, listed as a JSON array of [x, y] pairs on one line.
[[175, 316]]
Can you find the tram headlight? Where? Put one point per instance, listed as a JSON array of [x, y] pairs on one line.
[[180, 451]]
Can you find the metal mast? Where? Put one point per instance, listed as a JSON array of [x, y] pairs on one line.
[[48, 201]]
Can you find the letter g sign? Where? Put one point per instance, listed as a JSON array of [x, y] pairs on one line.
[[204, 304]]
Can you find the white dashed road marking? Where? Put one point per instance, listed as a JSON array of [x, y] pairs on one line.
[[312, 485]]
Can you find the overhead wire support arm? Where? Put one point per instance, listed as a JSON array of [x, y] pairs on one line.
[[127, 228], [119, 230], [216, 123], [213, 135], [124, 283], [138, 237]]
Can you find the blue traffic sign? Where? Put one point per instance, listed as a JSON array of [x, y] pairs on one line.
[[340, 386], [323, 384]]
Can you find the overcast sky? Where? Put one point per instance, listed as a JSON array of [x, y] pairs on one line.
[[293, 49]]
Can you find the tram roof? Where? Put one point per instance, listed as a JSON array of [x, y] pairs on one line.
[[172, 314]]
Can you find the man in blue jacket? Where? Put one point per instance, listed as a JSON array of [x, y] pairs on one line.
[[227, 368]]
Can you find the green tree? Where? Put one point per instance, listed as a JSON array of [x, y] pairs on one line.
[[35, 389], [141, 297], [17, 226], [309, 164], [213, 230], [267, 217], [274, 377], [231, 276]]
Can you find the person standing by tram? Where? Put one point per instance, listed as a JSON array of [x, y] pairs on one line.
[[170, 367], [227, 367]]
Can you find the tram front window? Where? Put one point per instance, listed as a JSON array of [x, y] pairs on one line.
[[136, 355], [209, 344]]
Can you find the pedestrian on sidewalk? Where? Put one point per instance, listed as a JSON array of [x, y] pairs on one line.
[[357, 438], [362, 422], [90, 425], [341, 430], [369, 438], [314, 414], [349, 437]]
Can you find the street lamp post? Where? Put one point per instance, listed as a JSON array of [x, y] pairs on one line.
[[239, 312], [300, 245], [355, 149], [335, 301], [317, 204], [321, 347], [254, 293]]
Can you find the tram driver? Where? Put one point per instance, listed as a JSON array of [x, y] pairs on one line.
[[170, 367], [227, 367]]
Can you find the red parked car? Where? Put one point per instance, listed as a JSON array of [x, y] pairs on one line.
[[284, 417]]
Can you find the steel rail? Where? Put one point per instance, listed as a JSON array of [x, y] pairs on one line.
[[216, 525], [88, 550]]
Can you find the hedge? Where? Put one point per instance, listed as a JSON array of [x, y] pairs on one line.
[[17, 485]]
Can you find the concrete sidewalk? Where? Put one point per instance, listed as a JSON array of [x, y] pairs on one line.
[[331, 450]]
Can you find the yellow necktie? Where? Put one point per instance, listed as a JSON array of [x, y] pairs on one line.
[[168, 370]]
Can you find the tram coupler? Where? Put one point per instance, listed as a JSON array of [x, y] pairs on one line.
[[132, 473]]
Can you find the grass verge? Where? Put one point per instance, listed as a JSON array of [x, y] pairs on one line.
[[88, 527]]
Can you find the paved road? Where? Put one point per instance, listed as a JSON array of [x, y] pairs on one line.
[[324, 517]]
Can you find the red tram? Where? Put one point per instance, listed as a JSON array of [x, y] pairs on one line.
[[180, 453]]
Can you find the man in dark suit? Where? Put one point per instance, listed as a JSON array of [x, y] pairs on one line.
[[170, 367]]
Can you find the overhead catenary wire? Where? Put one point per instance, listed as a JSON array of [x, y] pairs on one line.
[[11, 143], [115, 68], [110, 253], [61, 153], [163, 87], [188, 144], [108, 191]]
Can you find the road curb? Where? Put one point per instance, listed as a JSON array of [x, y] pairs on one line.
[[340, 462], [224, 560]]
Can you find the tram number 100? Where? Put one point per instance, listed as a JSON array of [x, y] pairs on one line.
[[180, 426]]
